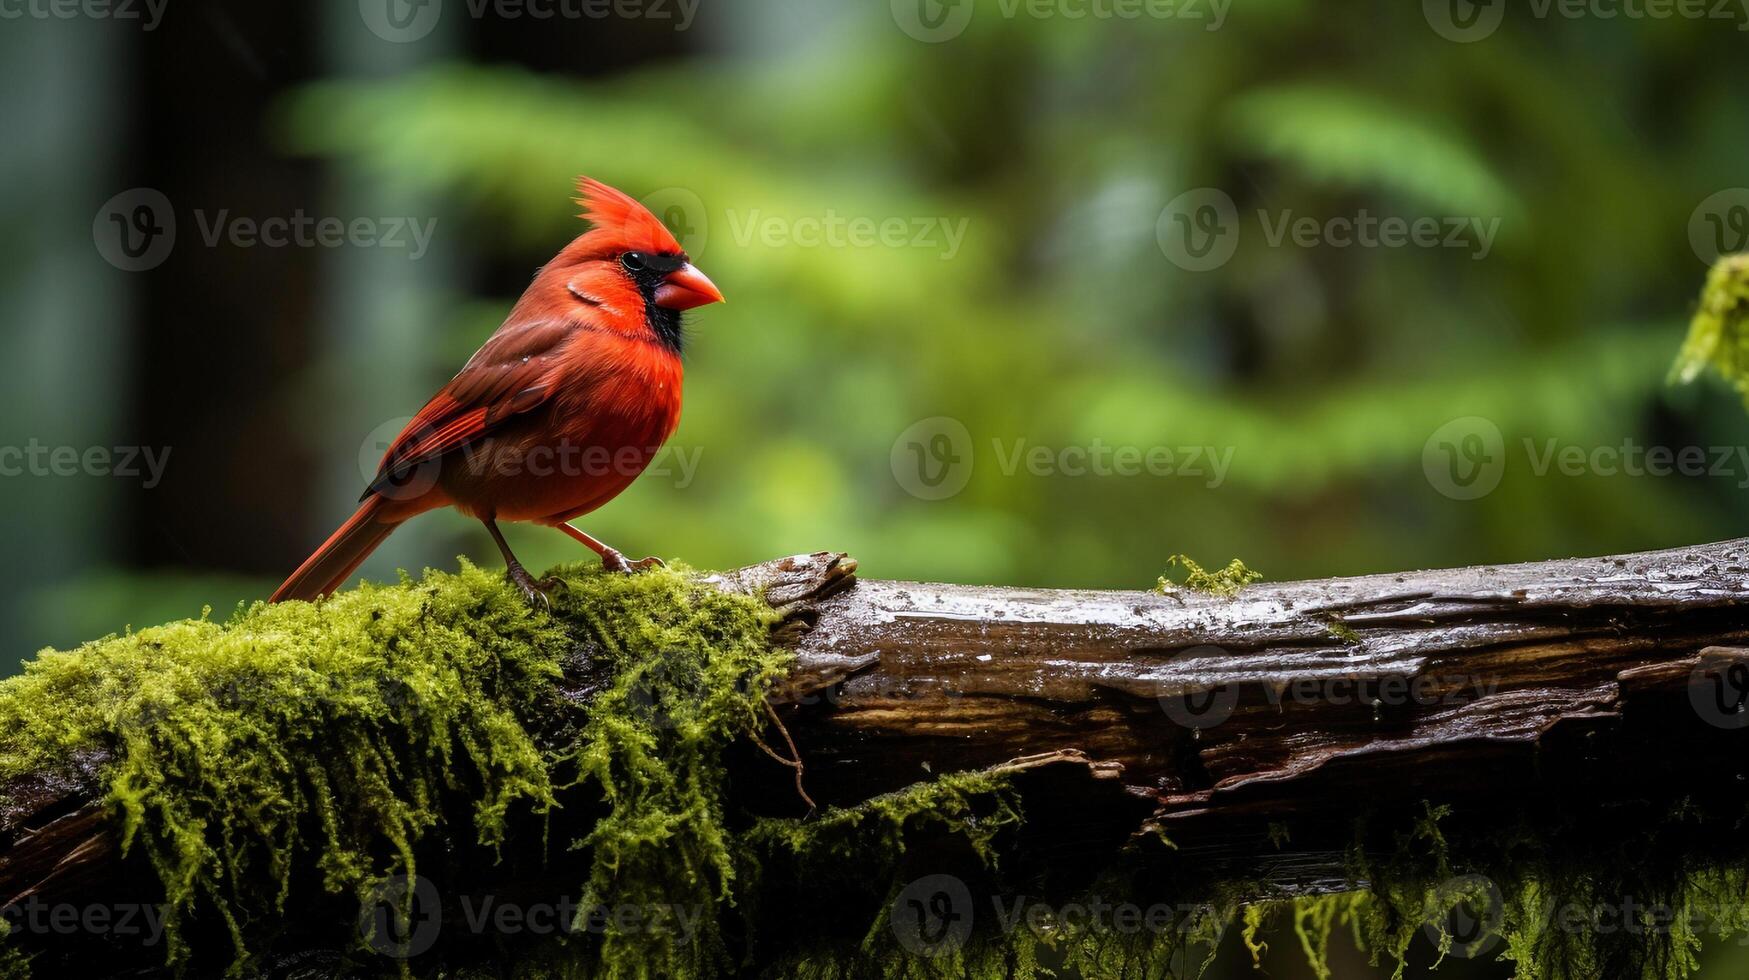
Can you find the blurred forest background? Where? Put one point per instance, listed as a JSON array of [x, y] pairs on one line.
[[1036, 297]]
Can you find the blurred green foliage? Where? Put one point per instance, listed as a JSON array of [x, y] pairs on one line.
[[1716, 335], [1322, 372]]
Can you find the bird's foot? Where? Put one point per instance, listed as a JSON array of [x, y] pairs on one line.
[[613, 561], [534, 591]]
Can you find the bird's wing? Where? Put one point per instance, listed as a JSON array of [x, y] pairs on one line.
[[514, 372]]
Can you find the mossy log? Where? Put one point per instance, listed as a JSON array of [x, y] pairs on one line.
[[1277, 741], [1612, 685]]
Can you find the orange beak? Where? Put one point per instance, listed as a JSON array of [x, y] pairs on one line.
[[685, 288]]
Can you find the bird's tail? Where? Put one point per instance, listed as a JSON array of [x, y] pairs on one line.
[[339, 556]]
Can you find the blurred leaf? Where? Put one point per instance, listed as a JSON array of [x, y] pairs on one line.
[[1346, 139]]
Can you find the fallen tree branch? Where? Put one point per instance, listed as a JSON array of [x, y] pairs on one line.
[[1238, 740], [1603, 680]]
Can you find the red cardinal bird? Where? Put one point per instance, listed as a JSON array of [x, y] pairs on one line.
[[560, 410]]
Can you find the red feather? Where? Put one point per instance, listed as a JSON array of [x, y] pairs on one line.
[[575, 374]]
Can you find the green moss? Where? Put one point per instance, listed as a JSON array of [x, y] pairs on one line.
[[1633, 908], [974, 808], [1279, 834], [297, 731], [14, 965], [879, 825], [1340, 629], [690, 668], [322, 744], [422, 729], [1526, 925], [1717, 336], [1226, 583]]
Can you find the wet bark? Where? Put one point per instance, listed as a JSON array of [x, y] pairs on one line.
[[1252, 731], [1611, 687]]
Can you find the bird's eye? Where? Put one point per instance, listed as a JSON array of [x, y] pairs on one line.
[[633, 261]]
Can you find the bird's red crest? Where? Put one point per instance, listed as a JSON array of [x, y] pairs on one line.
[[620, 223]]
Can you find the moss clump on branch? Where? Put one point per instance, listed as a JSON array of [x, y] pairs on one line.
[[298, 736], [285, 769], [1224, 583], [1571, 930], [332, 744], [439, 729], [1718, 336], [1557, 906]]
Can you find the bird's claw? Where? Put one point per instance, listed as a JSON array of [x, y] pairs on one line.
[[613, 561], [533, 591]]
